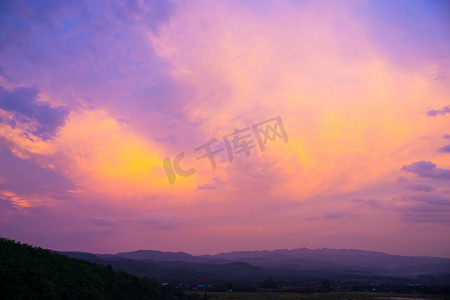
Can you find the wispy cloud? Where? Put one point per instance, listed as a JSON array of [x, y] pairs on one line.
[[439, 112], [415, 186], [372, 203], [432, 199]]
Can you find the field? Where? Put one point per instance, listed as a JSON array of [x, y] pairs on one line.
[[316, 296]]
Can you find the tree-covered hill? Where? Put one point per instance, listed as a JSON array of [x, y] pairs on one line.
[[28, 272]]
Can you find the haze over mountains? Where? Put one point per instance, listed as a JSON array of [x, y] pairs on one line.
[[282, 264]]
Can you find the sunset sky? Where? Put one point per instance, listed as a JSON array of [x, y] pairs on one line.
[[96, 95]]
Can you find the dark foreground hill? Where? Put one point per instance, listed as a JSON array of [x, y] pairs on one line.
[[28, 272]]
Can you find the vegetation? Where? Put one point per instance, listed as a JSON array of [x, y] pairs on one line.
[[269, 283], [28, 272], [307, 296]]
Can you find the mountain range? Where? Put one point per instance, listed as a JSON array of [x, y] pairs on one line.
[[282, 264]]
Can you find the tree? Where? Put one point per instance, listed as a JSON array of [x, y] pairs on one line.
[[269, 283]]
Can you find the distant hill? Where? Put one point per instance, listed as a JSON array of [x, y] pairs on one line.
[[28, 272], [168, 256], [296, 264], [375, 262]]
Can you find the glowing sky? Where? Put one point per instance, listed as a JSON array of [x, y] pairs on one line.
[[95, 95]]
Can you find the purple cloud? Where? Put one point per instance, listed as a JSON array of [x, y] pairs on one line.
[[103, 222], [447, 136], [22, 103], [27, 178], [373, 203], [432, 199], [427, 169], [443, 111], [429, 217], [446, 148], [65, 48], [418, 187], [206, 187], [431, 208], [337, 215]]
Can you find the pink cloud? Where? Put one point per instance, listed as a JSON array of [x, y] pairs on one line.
[[121, 86]]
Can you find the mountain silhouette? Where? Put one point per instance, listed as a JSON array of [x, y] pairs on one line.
[[283, 264]]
